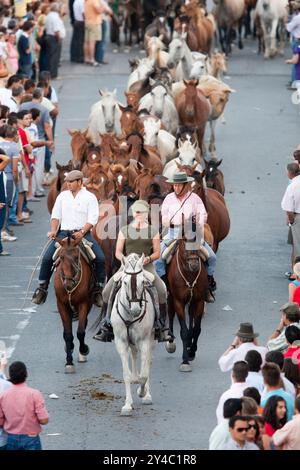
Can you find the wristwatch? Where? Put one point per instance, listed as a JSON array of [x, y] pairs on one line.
[[278, 331], [233, 346]]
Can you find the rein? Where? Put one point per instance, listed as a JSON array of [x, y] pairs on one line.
[[190, 285], [77, 279]]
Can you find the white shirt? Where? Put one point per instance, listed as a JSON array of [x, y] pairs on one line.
[[13, 106], [78, 10], [293, 26], [54, 24], [288, 387], [238, 354], [219, 436], [255, 379], [74, 212], [235, 391], [34, 136], [291, 199], [5, 95]]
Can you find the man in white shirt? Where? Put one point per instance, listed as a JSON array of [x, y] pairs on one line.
[[55, 32], [75, 211], [220, 434], [239, 376], [77, 42], [291, 204], [244, 341]]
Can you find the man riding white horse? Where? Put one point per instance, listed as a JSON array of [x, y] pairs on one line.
[[75, 211], [184, 203]]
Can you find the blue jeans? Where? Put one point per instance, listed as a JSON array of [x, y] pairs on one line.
[[2, 218], [160, 264], [100, 45], [12, 215], [23, 442], [47, 262], [294, 43]]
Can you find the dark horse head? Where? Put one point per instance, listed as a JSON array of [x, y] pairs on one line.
[[192, 237]]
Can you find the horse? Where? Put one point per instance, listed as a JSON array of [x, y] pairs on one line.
[[144, 68], [133, 20], [99, 183], [188, 154], [144, 154], [93, 157], [229, 13], [193, 109], [157, 137], [128, 119], [272, 16], [214, 177], [132, 319], [218, 64], [217, 213], [183, 24], [203, 25], [156, 50], [161, 104], [72, 284], [144, 182], [180, 58], [58, 183], [105, 116], [188, 285], [132, 100], [79, 144], [160, 28]]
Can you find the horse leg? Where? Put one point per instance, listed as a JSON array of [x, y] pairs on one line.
[[221, 39], [196, 328], [83, 348], [273, 38], [212, 145], [123, 350], [184, 334], [171, 345], [144, 389], [240, 41], [134, 368], [66, 318], [228, 40]]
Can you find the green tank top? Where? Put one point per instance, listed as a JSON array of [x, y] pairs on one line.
[[138, 240]]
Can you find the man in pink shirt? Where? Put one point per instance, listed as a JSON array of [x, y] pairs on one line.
[[183, 202], [22, 411]]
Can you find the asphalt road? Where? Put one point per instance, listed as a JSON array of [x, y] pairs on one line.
[[256, 143]]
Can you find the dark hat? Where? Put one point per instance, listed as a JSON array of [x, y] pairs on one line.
[[180, 178], [74, 175], [246, 331], [290, 307]]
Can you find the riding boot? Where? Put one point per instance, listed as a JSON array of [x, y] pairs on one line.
[[105, 332], [97, 294], [212, 283], [162, 333], [40, 294]]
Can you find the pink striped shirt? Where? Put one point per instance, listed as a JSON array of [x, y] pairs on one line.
[[21, 409], [192, 207]]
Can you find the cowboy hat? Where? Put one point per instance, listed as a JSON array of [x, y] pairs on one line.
[[180, 178], [246, 331]]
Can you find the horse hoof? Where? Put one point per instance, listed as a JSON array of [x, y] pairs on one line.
[[147, 401], [69, 369], [82, 358], [171, 347], [126, 412], [141, 393], [185, 368]]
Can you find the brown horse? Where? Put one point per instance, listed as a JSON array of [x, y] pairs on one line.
[[184, 24], [214, 177], [79, 144], [99, 183], [188, 285], [144, 185], [58, 183], [193, 109], [93, 157], [146, 155], [202, 24], [217, 213], [132, 100], [128, 119], [72, 284]]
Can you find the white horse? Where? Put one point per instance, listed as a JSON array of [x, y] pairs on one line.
[[161, 105], [144, 69], [105, 117], [188, 154], [201, 65], [157, 137], [156, 50], [272, 15], [132, 319], [180, 57]]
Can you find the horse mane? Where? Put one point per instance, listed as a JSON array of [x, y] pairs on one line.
[[128, 108], [136, 134], [143, 111]]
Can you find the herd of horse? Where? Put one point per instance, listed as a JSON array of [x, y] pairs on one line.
[[127, 152]]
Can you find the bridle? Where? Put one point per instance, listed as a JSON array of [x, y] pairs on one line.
[[76, 280], [189, 284]]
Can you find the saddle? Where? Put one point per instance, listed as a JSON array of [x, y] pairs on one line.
[[85, 248]]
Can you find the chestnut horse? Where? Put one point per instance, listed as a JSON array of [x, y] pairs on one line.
[[193, 109], [217, 213], [58, 183], [145, 154], [214, 177], [188, 284], [79, 144], [72, 284]]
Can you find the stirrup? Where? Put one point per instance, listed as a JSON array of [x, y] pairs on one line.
[[40, 295], [210, 298], [104, 335]]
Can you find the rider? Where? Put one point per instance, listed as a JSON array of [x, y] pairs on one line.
[[76, 211], [141, 238], [183, 202]]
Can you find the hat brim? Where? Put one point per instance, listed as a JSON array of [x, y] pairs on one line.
[[189, 180], [247, 336]]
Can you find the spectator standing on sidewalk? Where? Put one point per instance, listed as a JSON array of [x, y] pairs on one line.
[[22, 411], [4, 161], [100, 45]]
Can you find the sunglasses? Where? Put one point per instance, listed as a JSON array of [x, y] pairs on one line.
[[252, 426], [242, 429]]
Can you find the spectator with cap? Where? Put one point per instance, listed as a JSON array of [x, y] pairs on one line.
[[292, 334], [276, 357], [244, 341], [239, 375], [273, 384], [290, 315], [254, 378], [22, 411], [238, 427], [288, 437], [220, 435]]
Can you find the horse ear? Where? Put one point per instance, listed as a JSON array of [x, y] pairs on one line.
[[139, 167], [114, 93], [219, 162], [71, 132], [122, 108], [100, 92], [151, 81], [186, 82], [58, 167]]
